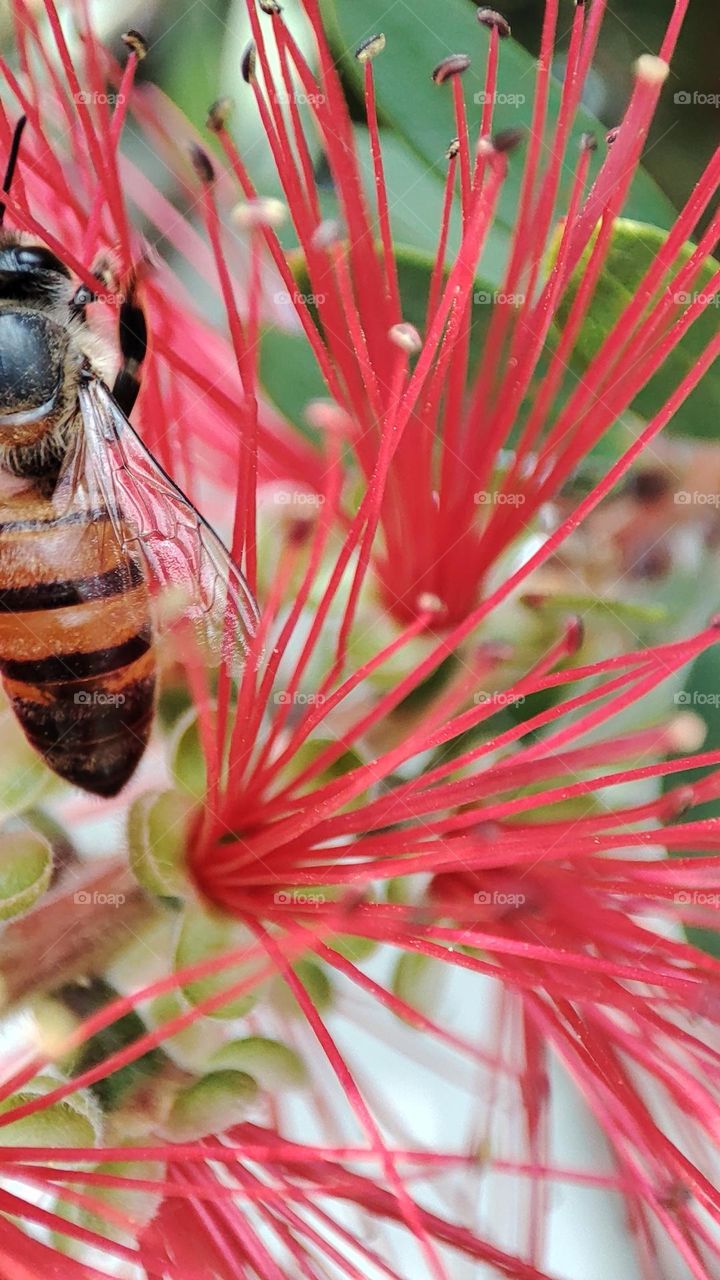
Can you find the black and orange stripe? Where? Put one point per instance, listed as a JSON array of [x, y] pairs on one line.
[[76, 645]]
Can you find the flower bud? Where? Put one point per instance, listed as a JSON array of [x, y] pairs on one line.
[[273, 1064], [210, 1105]]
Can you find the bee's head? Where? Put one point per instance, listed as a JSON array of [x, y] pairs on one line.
[[29, 270], [32, 343]]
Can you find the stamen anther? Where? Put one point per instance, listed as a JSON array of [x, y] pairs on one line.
[[247, 63], [370, 48], [686, 733], [264, 211], [219, 114], [651, 69], [328, 417], [327, 233], [649, 485], [406, 337], [428, 602], [454, 65], [574, 633], [136, 43], [494, 20], [507, 139], [202, 165]]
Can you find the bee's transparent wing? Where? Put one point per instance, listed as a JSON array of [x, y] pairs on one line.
[[187, 564]]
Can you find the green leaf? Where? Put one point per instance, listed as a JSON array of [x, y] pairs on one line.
[[192, 86], [415, 198], [700, 694], [633, 247], [352, 947], [289, 373], [421, 113], [414, 272]]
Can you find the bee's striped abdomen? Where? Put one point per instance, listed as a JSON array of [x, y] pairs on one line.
[[76, 645]]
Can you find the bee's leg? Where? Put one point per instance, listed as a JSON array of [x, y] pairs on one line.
[[132, 335]]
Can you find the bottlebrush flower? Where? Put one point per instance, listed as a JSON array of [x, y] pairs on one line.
[[437, 807]]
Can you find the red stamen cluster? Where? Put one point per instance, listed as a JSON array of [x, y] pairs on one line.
[[554, 918]]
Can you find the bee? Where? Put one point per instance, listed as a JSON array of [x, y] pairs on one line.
[[92, 530]]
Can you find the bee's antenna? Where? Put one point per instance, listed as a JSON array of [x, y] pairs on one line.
[[12, 162]]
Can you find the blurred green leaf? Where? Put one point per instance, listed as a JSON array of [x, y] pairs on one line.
[[633, 247], [416, 195], [700, 694], [288, 370], [421, 112], [289, 373]]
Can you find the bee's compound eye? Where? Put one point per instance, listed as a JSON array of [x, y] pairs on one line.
[[36, 257], [30, 368]]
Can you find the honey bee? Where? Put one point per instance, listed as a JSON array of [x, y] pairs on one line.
[[92, 530]]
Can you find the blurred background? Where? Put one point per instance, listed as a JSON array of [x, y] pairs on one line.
[[683, 135]]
